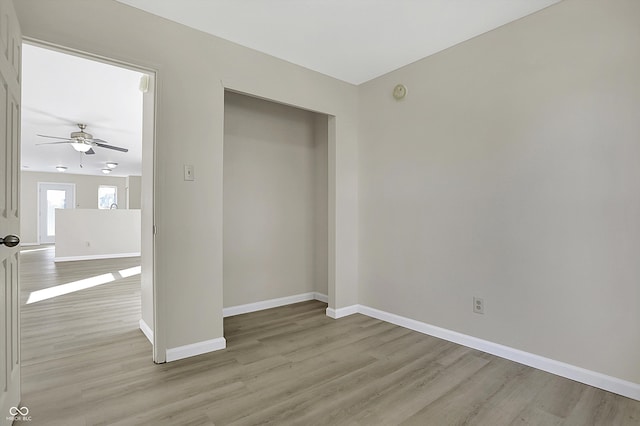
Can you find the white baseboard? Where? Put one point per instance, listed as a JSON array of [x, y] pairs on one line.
[[592, 378], [321, 297], [174, 354], [272, 303], [146, 330], [186, 351], [95, 257], [342, 312]]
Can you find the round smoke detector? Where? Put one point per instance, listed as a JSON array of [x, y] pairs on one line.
[[400, 91]]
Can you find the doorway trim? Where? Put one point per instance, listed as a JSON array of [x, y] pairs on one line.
[[148, 214]]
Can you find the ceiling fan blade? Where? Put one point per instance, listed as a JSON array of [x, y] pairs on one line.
[[54, 143], [49, 117], [116, 148], [55, 137], [90, 152], [96, 140]]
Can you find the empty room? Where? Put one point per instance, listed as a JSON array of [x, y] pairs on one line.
[[362, 213]]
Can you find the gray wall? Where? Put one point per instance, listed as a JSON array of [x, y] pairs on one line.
[[86, 196], [189, 130], [511, 172], [274, 203], [134, 192]]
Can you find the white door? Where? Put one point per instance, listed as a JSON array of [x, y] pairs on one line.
[[10, 59], [52, 196]]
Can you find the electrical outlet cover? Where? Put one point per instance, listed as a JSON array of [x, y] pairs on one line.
[[478, 305]]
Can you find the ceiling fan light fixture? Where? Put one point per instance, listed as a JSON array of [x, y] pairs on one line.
[[61, 168], [81, 147], [106, 171], [112, 165]]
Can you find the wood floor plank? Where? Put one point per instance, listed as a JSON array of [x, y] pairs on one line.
[[559, 396], [514, 396], [598, 408], [85, 362], [533, 416], [461, 404], [404, 398]]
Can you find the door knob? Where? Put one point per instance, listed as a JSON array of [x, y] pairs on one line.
[[10, 241]]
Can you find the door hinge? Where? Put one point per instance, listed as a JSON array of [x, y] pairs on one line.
[[155, 230]]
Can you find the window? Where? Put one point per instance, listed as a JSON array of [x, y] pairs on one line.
[[107, 196]]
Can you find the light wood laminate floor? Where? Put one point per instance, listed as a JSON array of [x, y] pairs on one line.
[[85, 362]]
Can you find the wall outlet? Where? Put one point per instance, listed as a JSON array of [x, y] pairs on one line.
[[478, 305]]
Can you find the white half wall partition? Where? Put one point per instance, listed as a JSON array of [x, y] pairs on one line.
[[83, 234]]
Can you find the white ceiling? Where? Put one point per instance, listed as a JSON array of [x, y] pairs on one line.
[[61, 90], [351, 40]]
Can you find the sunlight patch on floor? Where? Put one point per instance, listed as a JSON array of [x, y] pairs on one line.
[[37, 249], [129, 272], [59, 290]]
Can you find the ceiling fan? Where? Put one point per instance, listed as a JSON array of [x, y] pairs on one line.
[[83, 142]]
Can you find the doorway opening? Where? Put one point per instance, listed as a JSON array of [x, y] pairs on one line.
[[52, 196], [88, 122]]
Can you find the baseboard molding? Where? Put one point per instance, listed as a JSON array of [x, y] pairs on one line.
[[94, 257], [146, 330], [342, 312], [321, 297], [272, 303], [174, 354], [592, 378], [186, 351]]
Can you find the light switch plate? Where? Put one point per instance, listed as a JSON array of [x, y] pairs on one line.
[[188, 172]]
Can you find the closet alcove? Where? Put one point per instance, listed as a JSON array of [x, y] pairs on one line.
[[275, 201]]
